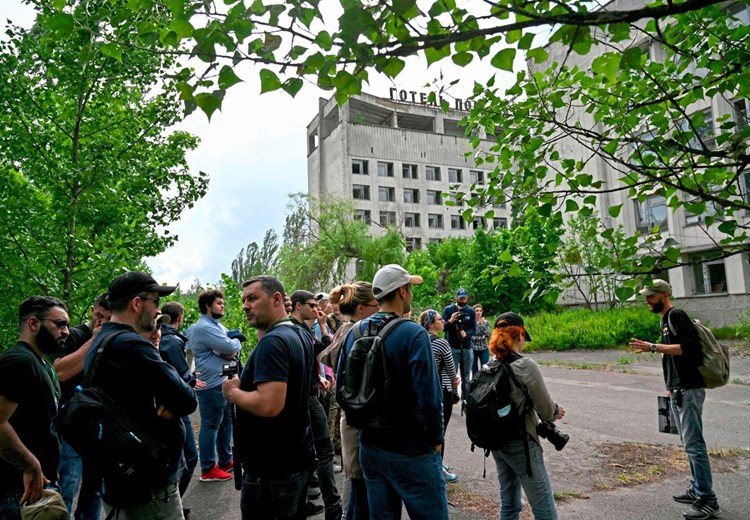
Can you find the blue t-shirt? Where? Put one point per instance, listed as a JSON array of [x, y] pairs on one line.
[[281, 445], [419, 410]]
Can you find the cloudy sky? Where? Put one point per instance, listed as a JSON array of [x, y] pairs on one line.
[[255, 153]]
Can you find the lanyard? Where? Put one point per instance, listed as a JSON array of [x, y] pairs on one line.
[[282, 320]]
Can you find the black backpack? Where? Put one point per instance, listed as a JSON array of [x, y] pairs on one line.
[[106, 438], [365, 386], [492, 419]]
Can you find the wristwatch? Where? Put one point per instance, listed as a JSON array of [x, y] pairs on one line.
[[653, 348]]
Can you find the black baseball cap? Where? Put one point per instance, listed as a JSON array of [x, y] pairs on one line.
[[301, 296], [132, 283], [511, 319]]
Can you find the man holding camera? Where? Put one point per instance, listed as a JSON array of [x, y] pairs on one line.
[[275, 444], [681, 356], [460, 325], [212, 346]]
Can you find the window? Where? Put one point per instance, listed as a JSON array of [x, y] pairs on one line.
[[499, 205], [741, 113], [363, 214], [411, 195], [409, 171], [385, 169], [692, 218], [457, 198], [387, 218], [435, 240], [432, 173], [411, 219], [434, 221], [413, 243], [386, 194], [499, 223], [650, 213], [457, 222], [709, 273], [700, 134], [434, 197], [361, 192], [746, 175], [476, 176], [455, 175], [479, 222], [359, 167]]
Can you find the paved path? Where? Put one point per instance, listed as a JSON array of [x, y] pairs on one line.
[[602, 406]]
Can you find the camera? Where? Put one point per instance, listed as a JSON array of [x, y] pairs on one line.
[[230, 369], [547, 430]]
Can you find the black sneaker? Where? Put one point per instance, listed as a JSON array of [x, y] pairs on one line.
[[703, 509], [688, 497], [312, 509]]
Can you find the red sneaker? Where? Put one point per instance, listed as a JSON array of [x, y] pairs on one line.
[[229, 467], [215, 475]]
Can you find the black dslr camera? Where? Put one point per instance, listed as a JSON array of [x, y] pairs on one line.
[[547, 430], [230, 369]]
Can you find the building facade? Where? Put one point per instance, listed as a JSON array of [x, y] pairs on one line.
[[396, 160]]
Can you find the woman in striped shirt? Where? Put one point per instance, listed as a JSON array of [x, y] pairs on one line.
[[441, 350]]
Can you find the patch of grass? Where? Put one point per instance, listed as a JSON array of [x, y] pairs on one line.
[[563, 496], [728, 453], [624, 361], [479, 505], [599, 367]]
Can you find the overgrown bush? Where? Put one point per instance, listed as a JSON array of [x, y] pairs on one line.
[[573, 329]]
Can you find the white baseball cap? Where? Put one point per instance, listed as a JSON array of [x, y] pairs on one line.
[[391, 277]]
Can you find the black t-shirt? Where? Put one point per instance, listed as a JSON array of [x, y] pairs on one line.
[[681, 371], [25, 380], [277, 446], [79, 335]]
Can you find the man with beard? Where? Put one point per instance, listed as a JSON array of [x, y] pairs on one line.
[[150, 392], [402, 462], [681, 356], [273, 423], [69, 368], [29, 394], [212, 345]]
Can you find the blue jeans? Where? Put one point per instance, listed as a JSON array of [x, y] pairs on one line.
[[465, 374], [393, 478], [512, 475], [281, 498], [9, 508], [479, 358], [72, 475], [357, 508], [166, 505], [189, 454], [324, 456], [215, 436], [690, 425]]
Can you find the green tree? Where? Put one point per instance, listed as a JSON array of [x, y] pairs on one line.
[[324, 244], [89, 173], [254, 260]]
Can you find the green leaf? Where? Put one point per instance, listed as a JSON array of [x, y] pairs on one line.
[[503, 60], [323, 39], [614, 211], [624, 293], [571, 205], [525, 42], [401, 7], [631, 58], [607, 65], [112, 50], [210, 102], [434, 55], [292, 85], [539, 55], [462, 59], [506, 256], [612, 146], [393, 67], [269, 81], [61, 23], [227, 77]]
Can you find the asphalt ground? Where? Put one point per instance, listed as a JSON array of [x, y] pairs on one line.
[[611, 402]]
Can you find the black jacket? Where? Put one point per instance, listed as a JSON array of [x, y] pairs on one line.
[[172, 350]]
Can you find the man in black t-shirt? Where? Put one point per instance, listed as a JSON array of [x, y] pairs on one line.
[[274, 441], [682, 355], [69, 368], [29, 394]]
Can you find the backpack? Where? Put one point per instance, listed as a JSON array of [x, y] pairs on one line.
[[364, 394], [105, 436], [492, 419], [715, 367]]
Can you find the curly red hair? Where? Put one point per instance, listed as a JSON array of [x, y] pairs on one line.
[[504, 338]]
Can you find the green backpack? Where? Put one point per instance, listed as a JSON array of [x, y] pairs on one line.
[[715, 367]]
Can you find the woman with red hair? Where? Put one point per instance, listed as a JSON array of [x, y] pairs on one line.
[[506, 343]]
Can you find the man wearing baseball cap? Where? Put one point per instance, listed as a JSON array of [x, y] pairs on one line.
[[681, 357], [402, 464], [150, 391], [460, 326]]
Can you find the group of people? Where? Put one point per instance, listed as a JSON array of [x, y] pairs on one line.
[[281, 400]]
